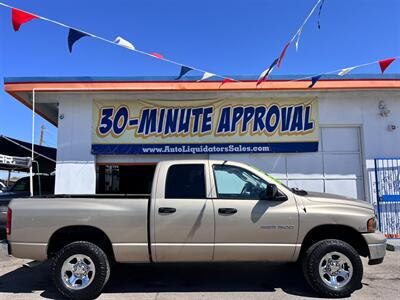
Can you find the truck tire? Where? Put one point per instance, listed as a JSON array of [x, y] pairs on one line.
[[80, 270], [333, 268]]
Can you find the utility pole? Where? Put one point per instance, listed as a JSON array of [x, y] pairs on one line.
[[41, 135]]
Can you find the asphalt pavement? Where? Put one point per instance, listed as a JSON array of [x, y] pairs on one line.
[[197, 281]]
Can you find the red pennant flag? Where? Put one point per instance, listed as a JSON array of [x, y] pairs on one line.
[[158, 55], [226, 80], [384, 64], [283, 54], [20, 17]]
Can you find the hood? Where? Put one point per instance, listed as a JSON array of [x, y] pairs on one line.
[[5, 195], [333, 198], [8, 196]]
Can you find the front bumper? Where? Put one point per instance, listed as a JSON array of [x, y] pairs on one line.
[[377, 247]]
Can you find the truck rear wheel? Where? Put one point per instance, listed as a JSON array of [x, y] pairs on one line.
[[80, 270], [333, 268]]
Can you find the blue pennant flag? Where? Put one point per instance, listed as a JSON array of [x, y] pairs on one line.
[[265, 74], [319, 14], [184, 70], [314, 80], [73, 36]]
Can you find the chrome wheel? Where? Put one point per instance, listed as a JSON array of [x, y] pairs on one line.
[[78, 272], [335, 269]]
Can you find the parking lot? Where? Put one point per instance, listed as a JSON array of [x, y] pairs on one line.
[[196, 281]]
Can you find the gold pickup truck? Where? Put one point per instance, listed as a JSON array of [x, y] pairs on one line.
[[198, 211]]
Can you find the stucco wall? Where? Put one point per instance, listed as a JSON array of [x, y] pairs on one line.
[[75, 169], [76, 165]]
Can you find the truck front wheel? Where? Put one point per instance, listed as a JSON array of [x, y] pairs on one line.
[[80, 270], [333, 268]]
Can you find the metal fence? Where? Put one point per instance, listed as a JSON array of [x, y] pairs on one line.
[[387, 177]]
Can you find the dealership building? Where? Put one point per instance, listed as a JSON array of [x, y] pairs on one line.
[[112, 131]]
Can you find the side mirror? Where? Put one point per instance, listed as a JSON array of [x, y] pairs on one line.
[[271, 192]]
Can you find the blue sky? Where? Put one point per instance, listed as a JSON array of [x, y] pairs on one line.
[[225, 37]]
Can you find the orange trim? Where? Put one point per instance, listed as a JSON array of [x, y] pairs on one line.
[[201, 86], [127, 164]]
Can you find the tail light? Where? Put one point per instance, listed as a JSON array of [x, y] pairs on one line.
[[9, 217]]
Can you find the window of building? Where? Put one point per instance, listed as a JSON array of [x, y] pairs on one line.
[[186, 181]]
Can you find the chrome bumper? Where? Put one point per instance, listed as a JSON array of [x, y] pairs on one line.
[[377, 247], [377, 250]]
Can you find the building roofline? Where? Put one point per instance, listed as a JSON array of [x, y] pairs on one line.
[[246, 78], [19, 87]]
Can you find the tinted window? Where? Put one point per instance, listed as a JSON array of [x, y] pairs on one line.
[[237, 183], [22, 185], [186, 181], [46, 185]]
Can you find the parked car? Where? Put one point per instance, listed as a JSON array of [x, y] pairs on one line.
[[2, 187], [198, 211], [21, 188]]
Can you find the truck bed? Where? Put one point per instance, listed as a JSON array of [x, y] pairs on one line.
[[123, 219]]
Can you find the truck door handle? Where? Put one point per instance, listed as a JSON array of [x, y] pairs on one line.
[[166, 210], [227, 211]]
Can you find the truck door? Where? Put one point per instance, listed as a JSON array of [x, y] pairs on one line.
[[246, 227], [183, 215]]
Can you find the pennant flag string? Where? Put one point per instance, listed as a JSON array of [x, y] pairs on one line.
[[73, 36], [384, 64], [124, 43], [206, 75], [314, 80], [282, 54], [265, 74], [226, 80], [305, 20], [296, 35], [184, 70], [298, 40], [343, 71], [157, 55], [319, 14], [22, 17]]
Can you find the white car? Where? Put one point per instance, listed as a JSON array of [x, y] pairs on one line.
[[2, 187]]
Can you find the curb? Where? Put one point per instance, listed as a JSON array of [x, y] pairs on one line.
[[393, 245]]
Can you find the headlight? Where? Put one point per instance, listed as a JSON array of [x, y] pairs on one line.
[[371, 225]]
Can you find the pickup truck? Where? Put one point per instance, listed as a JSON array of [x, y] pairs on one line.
[[198, 211]]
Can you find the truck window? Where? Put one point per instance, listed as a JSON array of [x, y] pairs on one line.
[[237, 183], [186, 182], [22, 185]]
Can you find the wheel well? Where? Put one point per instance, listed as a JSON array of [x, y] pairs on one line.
[[70, 234], [340, 232]]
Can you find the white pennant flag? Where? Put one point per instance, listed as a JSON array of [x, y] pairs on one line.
[[124, 43], [206, 75], [345, 71], [298, 39]]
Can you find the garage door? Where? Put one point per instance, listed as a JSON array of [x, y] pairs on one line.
[[335, 168]]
